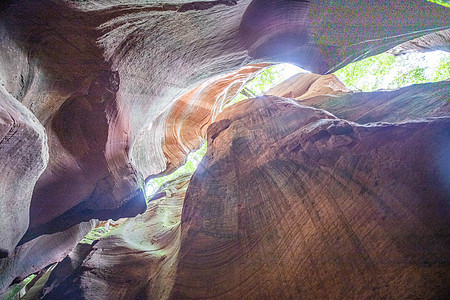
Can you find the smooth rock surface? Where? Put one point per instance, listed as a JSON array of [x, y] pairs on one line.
[[183, 128], [41, 252], [135, 261], [23, 157], [405, 104], [291, 202], [96, 74], [308, 85], [431, 42], [329, 93], [275, 156]]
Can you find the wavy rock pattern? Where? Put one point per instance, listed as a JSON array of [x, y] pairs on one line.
[[406, 104], [359, 213], [309, 85], [431, 42], [97, 73], [23, 157], [329, 93], [117, 67], [183, 128], [291, 202], [39, 253], [136, 261]]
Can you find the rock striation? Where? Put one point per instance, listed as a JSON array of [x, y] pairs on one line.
[[41, 252], [183, 128], [23, 157], [107, 80], [291, 202], [329, 93], [431, 42], [138, 260], [83, 69]]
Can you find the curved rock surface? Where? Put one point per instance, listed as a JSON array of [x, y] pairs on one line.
[[291, 202], [183, 128], [39, 253], [97, 73], [359, 213], [329, 93], [23, 157], [136, 261], [405, 104], [431, 42], [308, 85]]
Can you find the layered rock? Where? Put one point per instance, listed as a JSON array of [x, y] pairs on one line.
[[309, 85], [431, 42], [96, 74], [23, 157], [329, 93], [39, 253], [291, 202], [183, 128], [135, 261], [405, 104]]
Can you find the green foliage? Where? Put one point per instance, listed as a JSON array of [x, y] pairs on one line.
[[385, 71], [266, 80], [445, 3], [95, 234], [192, 161], [381, 71], [443, 70], [18, 287], [271, 77]]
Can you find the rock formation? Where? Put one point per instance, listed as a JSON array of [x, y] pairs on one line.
[[41, 252], [23, 157], [98, 96], [289, 202], [136, 261], [294, 203], [434, 41], [329, 93], [183, 128]]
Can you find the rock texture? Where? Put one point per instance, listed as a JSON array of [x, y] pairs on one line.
[[309, 85], [329, 93], [97, 73], [291, 202], [106, 80], [406, 104], [39, 253], [136, 261], [23, 157], [183, 128], [431, 42]]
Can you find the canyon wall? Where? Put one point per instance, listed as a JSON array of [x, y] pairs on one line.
[[97, 97]]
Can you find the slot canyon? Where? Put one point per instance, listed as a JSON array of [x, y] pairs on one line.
[[310, 191]]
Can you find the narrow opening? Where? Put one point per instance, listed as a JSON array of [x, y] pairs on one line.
[[383, 71], [389, 72]]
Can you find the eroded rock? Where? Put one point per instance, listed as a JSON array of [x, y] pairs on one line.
[[95, 74], [292, 202], [23, 157], [138, 260], [327, 92], [39, 253]]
